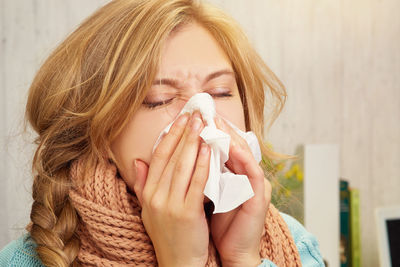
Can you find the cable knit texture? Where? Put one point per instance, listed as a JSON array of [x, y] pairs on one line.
[[112, 233]]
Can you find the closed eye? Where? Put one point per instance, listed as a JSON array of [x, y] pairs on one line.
[[152, 105], [225, 94]]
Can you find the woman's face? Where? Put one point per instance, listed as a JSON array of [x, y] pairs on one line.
[[191, 62]]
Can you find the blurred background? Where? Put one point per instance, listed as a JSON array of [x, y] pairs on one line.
[[339, 60]]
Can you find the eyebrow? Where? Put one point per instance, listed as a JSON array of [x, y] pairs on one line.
[[175, 83]]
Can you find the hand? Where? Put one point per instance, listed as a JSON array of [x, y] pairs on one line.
[[172, 195], [237, 234]]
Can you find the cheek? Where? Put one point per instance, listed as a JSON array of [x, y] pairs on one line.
[[136, 141], [233, 112]]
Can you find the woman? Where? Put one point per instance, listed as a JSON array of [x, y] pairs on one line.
[[101, 195]]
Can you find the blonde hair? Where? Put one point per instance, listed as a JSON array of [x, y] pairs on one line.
[[94, 81]]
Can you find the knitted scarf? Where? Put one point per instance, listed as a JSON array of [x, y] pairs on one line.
[[112, 233]]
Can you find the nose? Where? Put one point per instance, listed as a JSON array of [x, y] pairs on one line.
[[181, 101], [190, 91]]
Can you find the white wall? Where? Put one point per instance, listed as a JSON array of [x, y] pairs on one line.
[[29, 31], [340, 62]]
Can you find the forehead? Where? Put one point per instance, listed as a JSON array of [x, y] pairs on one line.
[[191, 52]]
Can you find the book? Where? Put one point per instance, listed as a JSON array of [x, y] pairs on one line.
[[355, 242], [345, 259]]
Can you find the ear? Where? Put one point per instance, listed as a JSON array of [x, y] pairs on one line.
[[141, 169]]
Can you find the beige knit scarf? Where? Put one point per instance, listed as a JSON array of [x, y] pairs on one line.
[[112, 233]]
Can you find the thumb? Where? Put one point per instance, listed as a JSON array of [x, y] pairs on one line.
[[141, 169]]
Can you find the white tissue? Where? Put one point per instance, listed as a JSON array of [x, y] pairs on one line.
[[224, 188]]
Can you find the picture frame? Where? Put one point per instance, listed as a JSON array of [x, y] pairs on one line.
[[388, 233]]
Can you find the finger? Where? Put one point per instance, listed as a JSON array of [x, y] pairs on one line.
[[141, 169], [195, 195], [224, 222], [186, 155], [233, 165], [253, 171], [268, 190], [236, 141], [163, 153], [242, 161]]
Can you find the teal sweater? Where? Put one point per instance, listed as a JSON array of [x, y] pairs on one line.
[[21, 252]]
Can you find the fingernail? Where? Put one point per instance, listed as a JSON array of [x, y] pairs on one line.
[[204, 149], [221, 124], [135, 168], [196, 123], [196, 114], [218, 121], [182, 120], [234, 144]]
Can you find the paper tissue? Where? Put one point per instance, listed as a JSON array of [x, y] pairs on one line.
[[224, 188]]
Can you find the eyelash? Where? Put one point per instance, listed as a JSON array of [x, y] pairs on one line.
[[157, 104]]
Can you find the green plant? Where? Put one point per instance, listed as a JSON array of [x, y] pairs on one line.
[[286, 178]]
